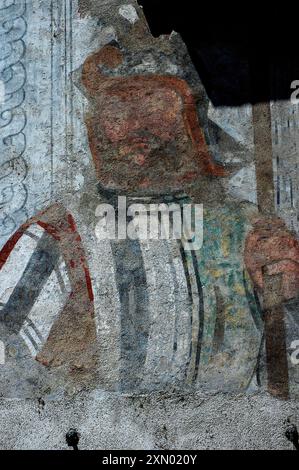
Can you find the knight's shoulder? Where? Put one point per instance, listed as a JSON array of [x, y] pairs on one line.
[[53, 218], [53, 212], [50, 222], [231, 219], [231, 210]]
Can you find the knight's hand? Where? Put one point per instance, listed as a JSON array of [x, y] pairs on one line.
[[272, 247]]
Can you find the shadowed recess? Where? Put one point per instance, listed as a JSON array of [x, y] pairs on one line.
[[242, 53]]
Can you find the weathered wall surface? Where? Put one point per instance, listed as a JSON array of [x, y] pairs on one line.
[[155, 422], [137, 343]]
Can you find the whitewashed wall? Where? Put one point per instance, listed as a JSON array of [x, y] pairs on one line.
[[43, 144]]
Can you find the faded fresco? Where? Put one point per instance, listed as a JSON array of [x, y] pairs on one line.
[[110, 111]]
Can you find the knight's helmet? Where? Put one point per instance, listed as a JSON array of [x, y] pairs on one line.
[[147, 105]]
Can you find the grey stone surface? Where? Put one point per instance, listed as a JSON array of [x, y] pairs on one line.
[[154, 422]]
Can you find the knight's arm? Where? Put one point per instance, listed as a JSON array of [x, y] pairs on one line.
[[60, 225], [45, 289]]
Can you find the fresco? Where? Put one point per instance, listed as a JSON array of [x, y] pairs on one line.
[[127, 116]]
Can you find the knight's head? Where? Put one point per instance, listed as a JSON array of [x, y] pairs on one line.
[[143, 127]]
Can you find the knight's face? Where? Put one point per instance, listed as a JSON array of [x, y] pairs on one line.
[[143, 126], [139, 138]]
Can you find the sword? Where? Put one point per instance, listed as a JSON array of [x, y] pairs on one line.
[[272, 299]]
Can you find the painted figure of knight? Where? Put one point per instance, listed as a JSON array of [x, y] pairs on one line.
[[140, 315]]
